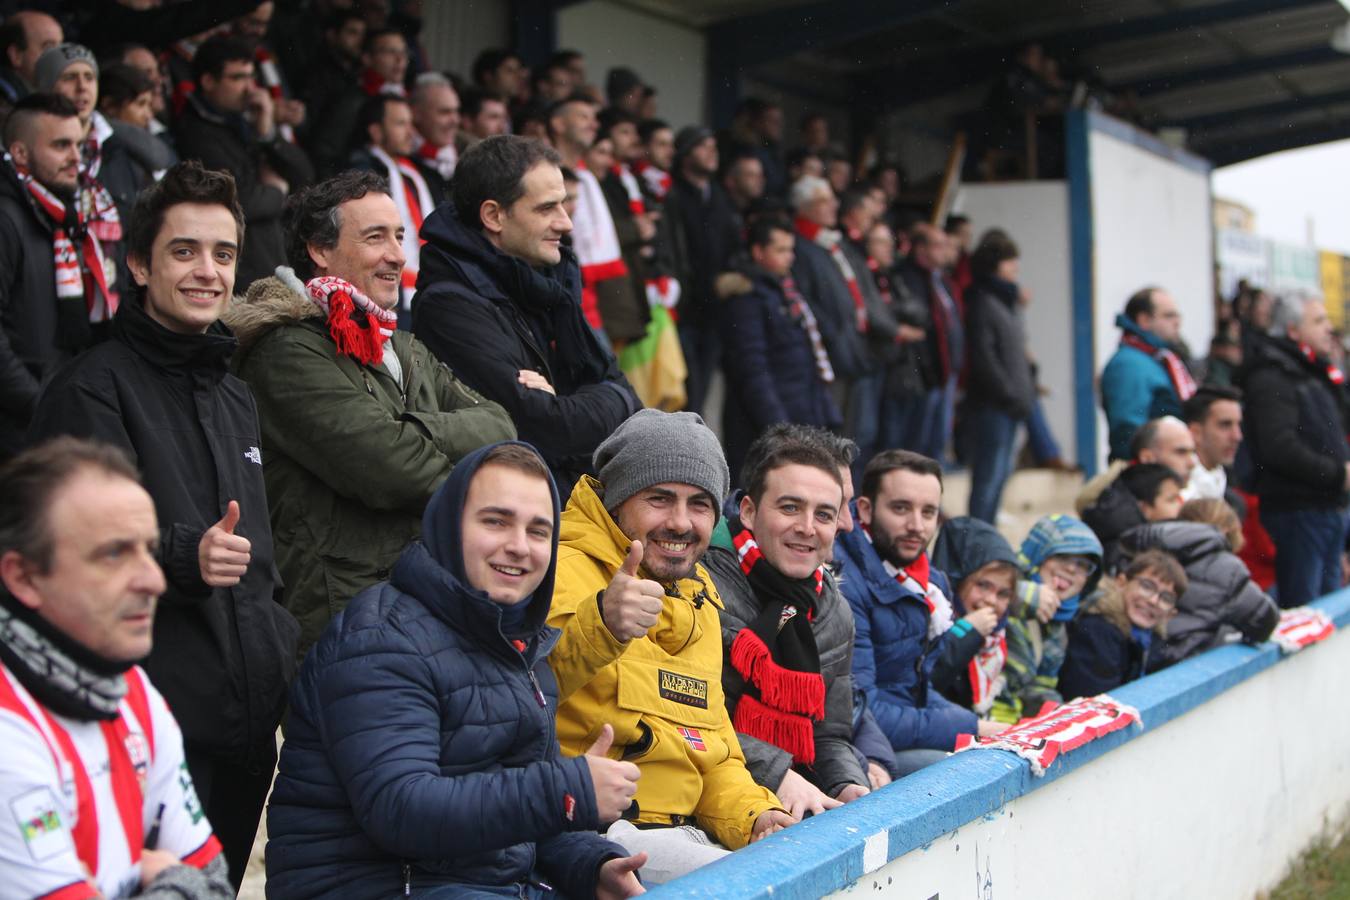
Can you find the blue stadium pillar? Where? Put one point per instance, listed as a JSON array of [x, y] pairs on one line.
[[1080, 243]]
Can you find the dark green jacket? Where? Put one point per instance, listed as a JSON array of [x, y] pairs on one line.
[[350, 457]]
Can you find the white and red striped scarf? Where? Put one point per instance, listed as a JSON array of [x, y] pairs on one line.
[[79, 273], [412, 197], [830, 238], [373, 83], [1333, 372], [443, 158], [339, 299], [1177, 373], [800, 311], [96, 204], [657, 180], [986, 671], [637, 204], [595, 241], [269, 76], [915, 579]]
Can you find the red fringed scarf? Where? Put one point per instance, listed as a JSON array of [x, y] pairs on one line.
[[1333, 373], [79, 273], [360, 335], [986, 671], [1177, 373], [829, 239], [777, 656]]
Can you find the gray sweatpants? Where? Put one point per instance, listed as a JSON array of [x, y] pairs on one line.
[[671, 852]]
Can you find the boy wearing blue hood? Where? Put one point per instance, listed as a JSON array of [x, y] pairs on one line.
[[1058, 559], [421, 754], [981, 566]]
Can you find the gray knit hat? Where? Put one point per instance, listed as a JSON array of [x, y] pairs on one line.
[[56, 60], [655, 447]]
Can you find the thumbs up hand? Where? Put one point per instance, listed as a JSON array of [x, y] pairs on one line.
[[631, 605], [614, 782], [222, 555]]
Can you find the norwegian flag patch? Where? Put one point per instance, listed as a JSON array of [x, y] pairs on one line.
[[694, 737]]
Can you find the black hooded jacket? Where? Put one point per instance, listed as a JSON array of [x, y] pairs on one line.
[[963, 547], [421, 748], [1114, 513], [488, 315], [222, 656]]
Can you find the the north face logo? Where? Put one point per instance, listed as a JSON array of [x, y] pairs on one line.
[[253, 455]]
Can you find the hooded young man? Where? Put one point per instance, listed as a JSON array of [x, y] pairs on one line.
[[787, 632], [901, 608], [641, 644], [421, 752], [360, 423], [1060, 560]]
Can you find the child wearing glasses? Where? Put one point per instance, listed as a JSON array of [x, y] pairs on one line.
[[1112, 637]]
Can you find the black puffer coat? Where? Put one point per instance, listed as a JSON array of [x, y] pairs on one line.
[[1222, 602], [223, 656], [421, 747]]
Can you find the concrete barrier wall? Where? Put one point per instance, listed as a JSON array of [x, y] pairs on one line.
[[1244, 758]]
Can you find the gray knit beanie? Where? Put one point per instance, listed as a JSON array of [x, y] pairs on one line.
[[56, 60], [655, 447]]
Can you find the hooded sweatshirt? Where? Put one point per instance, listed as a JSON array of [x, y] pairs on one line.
[[1036, 650], [969, 670], [421, 748]]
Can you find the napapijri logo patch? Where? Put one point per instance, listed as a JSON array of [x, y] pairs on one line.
[[679, 688], [253, 455]]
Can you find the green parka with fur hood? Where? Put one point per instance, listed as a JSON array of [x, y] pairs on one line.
[[350, 455]]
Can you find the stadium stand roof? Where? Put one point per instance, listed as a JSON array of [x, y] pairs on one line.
[[1242, 77]]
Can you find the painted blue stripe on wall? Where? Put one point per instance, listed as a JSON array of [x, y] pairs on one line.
[[1079, 171], [825, 854]]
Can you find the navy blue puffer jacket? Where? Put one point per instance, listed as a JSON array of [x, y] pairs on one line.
[[421, 747]]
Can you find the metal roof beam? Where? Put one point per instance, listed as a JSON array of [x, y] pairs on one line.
[[1226, 151], [1278, 107], [1241, 68], [1184, 19]]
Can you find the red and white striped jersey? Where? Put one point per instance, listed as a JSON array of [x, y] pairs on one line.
[[83, 795]]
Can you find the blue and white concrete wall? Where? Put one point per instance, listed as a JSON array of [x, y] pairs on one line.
[[1241, 763]]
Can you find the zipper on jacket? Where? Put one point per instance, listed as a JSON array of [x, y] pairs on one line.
[[407, 880], [538, 691]]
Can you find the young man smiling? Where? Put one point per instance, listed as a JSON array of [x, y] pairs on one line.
[[437, 769], [499, 301], [787, 632], [161, 390], [342, 394], [641, 644]]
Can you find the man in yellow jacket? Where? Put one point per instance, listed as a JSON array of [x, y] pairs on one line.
[[641, 646]]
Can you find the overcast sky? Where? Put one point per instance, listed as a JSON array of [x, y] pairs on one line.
[[1286, 189]]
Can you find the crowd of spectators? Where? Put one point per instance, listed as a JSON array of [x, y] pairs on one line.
[[378, 388]]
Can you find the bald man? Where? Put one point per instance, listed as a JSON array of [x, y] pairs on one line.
[[24, 37]]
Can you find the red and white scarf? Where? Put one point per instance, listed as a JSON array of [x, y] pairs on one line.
[[1301, 626], [595, 241], [358, 335], [637, 204], [1177, 373], [1042, 740], [830, 239], [79, 272], [373, 83], [443, 158], [269, 76], [914, 579], [800, 311], [657, 180], [1333, 372], [986, 671], [412, 197]]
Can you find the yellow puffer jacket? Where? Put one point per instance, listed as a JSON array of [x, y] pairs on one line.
[[662, 692]]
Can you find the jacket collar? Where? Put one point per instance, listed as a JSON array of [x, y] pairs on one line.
[[1129, 327], [208, 353], [864, 560]]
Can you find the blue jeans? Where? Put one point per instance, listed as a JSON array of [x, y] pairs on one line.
[[863, 418], [991, 434], [1041, 440], [1308, 547], [934, 427], [900, 417], [476, 891], [907, 762]]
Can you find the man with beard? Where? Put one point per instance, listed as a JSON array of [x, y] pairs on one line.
[[901, 608], [50, 305], [1214, 416], [641, 645]]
